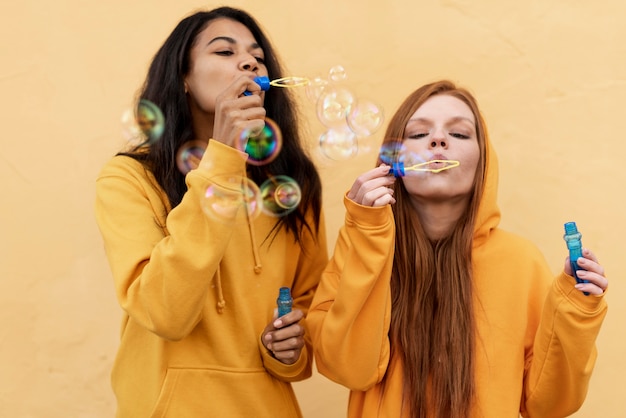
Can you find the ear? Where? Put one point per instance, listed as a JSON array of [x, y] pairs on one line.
[[186, 88]]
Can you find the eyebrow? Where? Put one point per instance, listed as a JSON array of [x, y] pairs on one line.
[[452, 120], [230, 40]]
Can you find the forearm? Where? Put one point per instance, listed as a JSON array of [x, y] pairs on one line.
[[350, 314], [564, 351]]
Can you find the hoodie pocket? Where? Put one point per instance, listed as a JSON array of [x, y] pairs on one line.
[[224, 393]]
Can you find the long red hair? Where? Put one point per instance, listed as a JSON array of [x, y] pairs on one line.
[[432, 317]]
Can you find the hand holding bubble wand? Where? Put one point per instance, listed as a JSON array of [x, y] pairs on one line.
[[263, 146], [404, 163]]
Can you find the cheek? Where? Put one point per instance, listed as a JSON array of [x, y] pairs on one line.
[[202, 100], [415, 185], [203, 93], [472, 155]]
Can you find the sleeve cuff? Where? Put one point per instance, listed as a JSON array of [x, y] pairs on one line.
[[287, 372], [590, 304]]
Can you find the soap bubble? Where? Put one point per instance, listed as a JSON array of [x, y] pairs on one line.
[[392, 152], [364, 117], [150, 120], [189, 155], [232, 198], [315, 88], [262, 146], [339, 143], [145, 124], [333, 105], [337, 74], [280, 195]]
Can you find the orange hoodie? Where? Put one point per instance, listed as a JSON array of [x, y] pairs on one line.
[[535, 334], [197, 294]]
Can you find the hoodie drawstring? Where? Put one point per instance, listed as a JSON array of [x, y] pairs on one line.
[[221, 302], [255, 250]]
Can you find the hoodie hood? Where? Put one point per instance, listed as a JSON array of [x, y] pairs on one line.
[[488, 216]]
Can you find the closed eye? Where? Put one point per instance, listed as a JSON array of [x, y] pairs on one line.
[[418, 136], [459, 135], [224, 53]]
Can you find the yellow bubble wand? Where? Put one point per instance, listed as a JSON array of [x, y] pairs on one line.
[[399, 170], [285, 82]]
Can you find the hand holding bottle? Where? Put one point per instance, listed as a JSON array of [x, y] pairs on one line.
[[582, 264], [284, 336]]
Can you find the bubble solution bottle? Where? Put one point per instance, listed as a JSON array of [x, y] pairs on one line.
[[574, 244], [284, 301]]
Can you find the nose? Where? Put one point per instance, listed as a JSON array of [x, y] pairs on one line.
[[249, 63], [438, 139]]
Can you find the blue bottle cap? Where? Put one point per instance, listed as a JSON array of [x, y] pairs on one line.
[[571, 228], [397, 169], [263, 82]]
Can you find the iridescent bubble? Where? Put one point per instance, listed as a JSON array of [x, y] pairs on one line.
[[364, 117], [150, 120], [337, 74], [232, 199], [333, 105], [315, 88], [339, 143], [262, 146], [189, 155], [392, 152], [143, 125], [280, 195]]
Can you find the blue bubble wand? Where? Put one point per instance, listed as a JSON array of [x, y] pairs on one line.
[[285, 82]]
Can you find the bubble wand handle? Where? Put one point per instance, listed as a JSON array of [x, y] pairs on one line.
[[574, 244]]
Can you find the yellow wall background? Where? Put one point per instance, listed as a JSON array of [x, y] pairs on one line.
[[550, 75]]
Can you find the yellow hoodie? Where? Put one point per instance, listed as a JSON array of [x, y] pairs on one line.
[[197, 294], [536, 335]]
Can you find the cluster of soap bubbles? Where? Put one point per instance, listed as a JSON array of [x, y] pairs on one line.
[[346, 117], [229, 196]]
